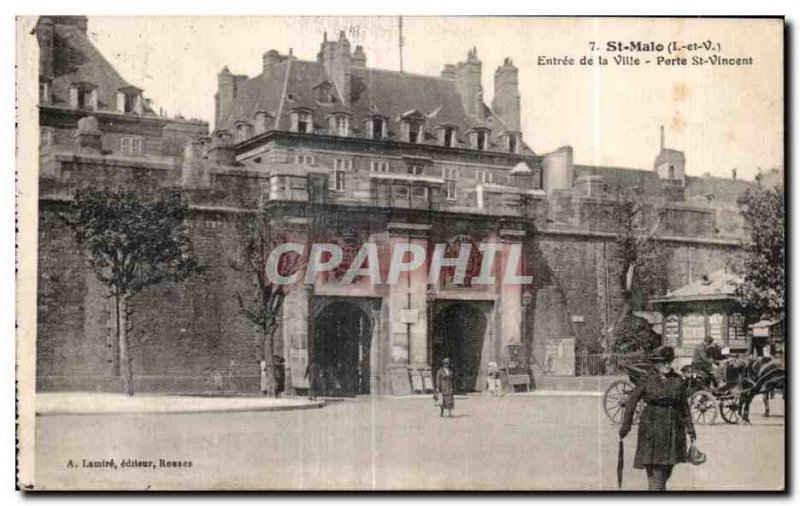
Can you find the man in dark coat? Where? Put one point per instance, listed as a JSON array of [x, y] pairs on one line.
[[444, 388], [706, 354], [279, 374], [664, 423]]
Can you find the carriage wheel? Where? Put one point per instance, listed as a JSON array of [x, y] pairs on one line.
[[703, 407], [614, 399], [729, 409]]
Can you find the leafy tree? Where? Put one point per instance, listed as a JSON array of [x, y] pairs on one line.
[[262, 233], [638, 221], [131, 243], [763, 263]]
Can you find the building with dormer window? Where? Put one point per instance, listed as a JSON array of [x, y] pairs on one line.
[[380, 157]]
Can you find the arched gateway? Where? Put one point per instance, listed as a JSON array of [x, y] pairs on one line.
[[459, 332], [341, 349]]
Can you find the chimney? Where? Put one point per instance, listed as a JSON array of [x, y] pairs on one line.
[[269, 60], [79, 22], [88, 138], [44, 36], [449, 72], [468, 84], [226, 92], [506, 101], [337, 60], [359, 57]]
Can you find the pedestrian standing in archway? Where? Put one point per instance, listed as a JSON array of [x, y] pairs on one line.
[[444, 388], [664, 423]]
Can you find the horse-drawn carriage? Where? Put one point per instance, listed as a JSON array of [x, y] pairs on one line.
[[743, 379]]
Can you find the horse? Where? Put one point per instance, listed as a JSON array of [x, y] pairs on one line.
[[760, 375]]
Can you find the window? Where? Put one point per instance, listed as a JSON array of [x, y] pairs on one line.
[[302, 122], [480, 140], [47, 136], [340, 168], [484, 176], [415, 170], [671, 172], [131, 146], [378, 166], [44, 92], [377, 128], [83, 96], [84, 99], [130, 102], [304, 159], [449, 139], [342, 126], [243, 131], [450, 176], [420, 192], [324, 95], [414, 131], [513, 143]]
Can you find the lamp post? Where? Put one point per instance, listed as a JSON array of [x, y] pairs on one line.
[[527, 298], [430, 297], [310, 338]]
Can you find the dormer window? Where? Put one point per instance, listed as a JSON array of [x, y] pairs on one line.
[[243, 131], [129, 100], [262, 119], [83, 96], [449, 137], [339, 124], [302, 122], [479, 139], [414, 132], [480, 143], [377, 127], [412, 126], [513, 143], [324, 92]]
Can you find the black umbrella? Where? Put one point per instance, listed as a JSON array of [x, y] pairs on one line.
[[620, 463]]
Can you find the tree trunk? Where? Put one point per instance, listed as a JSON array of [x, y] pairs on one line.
[[125, 360], [268, 352]]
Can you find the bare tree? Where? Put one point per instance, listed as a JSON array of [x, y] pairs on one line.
[[262, 305]]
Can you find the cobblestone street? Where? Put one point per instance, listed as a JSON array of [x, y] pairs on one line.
[[513, 442]]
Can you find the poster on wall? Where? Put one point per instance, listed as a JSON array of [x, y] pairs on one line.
[[672, 329], [515, 359], [693, 328], [559, 357]]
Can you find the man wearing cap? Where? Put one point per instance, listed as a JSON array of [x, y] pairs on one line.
[[665, 420], [705, 355]]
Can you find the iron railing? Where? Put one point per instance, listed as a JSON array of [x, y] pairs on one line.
[[605, 364]]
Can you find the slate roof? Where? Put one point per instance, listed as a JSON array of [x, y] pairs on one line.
[[75, 60], [373, 91]]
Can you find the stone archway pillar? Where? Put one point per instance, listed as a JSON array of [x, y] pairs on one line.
[[510, 293], [405, 303], [295, 320]]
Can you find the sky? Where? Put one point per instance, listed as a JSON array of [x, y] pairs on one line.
[[721, 117]]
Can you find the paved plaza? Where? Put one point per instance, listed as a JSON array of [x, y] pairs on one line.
[[514, 442]]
